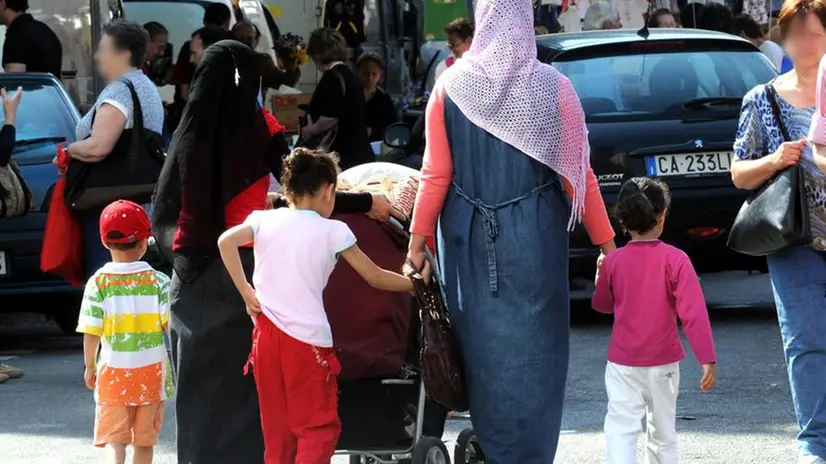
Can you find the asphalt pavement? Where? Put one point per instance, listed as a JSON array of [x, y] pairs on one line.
[[46, 417]]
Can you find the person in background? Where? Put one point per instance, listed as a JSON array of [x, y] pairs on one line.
[[30, 45], [459, 38], [7, 138], [379, 108], [124, 318], [716, 17], [690, 15], [201, 40], [642, 377], [158, 63], [271, 76], [338, 101], [601, 16], [747, 28], [121, 53], [215, 15], [797, 273], [662, 17], [502, 184]]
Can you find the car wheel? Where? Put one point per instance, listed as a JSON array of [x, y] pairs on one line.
[[67, 319]]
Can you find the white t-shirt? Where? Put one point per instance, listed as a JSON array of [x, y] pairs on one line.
[[295, 253], [774, 52], [440, 69]]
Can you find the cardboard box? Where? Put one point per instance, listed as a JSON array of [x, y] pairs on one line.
[[285, 108]]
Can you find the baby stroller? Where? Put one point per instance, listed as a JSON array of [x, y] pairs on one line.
[[385, 413], [386, 417]]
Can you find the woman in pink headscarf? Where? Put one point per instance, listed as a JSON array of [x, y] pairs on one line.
[[506, 176]]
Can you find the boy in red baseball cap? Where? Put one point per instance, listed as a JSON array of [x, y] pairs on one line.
[[125, 311]]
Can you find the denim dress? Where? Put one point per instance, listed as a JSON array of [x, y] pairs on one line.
[[503, 257], [798, 274]]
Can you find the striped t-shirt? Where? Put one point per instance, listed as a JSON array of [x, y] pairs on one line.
[[127, 305]]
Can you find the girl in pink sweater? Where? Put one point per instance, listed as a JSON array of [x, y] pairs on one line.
[[648, 284]]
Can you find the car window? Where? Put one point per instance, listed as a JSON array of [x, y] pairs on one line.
[[656, 85], [42, 115], [181, 19]]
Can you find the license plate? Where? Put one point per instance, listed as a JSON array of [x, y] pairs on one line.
[[688, 164], [4, 269]]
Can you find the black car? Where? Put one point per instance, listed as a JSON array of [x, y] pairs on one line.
[[665, 106]]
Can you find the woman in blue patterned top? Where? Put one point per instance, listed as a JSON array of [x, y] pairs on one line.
[[798, 274]]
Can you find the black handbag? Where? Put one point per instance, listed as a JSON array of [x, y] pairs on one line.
[[129, 172], [776, 216]]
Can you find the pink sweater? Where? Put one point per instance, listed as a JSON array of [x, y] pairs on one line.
[[647, 285], [437, 172]]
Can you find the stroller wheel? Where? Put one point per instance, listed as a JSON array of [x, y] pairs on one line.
[[430, 450], [467, 449]]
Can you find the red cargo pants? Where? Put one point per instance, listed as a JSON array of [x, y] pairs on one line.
[[298, 396]]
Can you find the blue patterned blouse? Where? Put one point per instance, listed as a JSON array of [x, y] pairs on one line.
[[758, 135]]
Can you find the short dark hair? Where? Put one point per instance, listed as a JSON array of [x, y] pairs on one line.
[[154, 29], [326, 46], [690, 15], [461, 28], [115, 235], [19, 6], [305, 171], [716, 17], [654, 19], [128, 36], [210, 35], [370, 56], [217, 14], [745, 24], [793, 10]]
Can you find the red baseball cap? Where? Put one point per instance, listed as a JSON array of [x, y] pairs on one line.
[[127, 219]]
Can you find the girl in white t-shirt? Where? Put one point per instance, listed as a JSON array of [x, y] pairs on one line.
[[296, 250]]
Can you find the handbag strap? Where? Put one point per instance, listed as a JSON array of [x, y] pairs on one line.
[[137, 126], [772, 97]]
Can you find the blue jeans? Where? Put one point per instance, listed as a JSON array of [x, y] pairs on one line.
[[798, 277]]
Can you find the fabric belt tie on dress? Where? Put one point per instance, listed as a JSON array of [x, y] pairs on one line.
[[488, 213]]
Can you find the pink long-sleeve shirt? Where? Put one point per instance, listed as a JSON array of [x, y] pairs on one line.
[[647, 285], [437, 172]]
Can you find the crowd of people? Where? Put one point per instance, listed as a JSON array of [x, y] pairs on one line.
[[500, 188]]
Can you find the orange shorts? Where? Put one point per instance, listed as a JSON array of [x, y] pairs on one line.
[[135, 425]]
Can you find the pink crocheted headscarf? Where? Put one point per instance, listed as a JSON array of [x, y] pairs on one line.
[[500, 86]]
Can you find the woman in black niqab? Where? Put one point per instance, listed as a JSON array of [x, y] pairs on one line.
[[220, 149]]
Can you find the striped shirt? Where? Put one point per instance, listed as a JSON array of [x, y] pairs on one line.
[[127, 305]]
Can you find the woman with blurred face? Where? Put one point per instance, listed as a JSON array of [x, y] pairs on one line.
[[119, 57], [601, 15], [798, 273]]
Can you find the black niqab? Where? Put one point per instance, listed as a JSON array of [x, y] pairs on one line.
[[221, 147]]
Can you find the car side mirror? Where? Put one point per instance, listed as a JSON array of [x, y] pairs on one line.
[[397, 136]]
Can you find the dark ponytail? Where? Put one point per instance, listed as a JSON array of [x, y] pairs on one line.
[[641, 202]]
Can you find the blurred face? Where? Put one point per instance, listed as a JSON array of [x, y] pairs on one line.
[[157, 45], [111, 62], [610, 24], [666, 20], [457, 45], [806, 41], [370, 75], [196, 50]]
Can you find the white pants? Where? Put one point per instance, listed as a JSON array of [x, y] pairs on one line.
[[635, 393]]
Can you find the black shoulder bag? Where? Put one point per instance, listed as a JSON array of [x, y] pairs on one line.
[[129, 172], [776, 216]]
